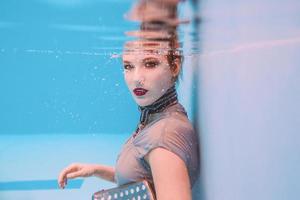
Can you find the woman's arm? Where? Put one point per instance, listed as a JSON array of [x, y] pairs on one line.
[[170, 175], [85, 170], [105, 172]]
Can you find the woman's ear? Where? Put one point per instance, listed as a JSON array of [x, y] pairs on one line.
[[176, 65]]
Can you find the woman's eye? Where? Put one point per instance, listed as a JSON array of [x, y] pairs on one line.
[[151, 64], [127, 66]]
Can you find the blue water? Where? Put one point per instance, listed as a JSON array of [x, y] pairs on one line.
[[38, 185], [30, 164], [63, 96], [59, 72]]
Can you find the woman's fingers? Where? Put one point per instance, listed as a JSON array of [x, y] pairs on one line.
[[75, 174], [62, 182], [73, 171], [62, 178]]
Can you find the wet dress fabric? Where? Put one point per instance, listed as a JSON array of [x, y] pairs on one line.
[[169, 129], [163, 124]]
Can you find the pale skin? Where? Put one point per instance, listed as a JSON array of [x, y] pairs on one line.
[[170, 174]]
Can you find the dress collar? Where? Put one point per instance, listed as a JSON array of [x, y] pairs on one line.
[[167, 99]]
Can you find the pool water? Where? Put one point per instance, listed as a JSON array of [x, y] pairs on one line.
[[63, 95]]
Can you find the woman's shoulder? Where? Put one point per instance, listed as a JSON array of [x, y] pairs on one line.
[[173, 124], [174, 118], [174, 133]]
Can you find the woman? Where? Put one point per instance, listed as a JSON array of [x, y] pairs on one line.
[[164, 148]]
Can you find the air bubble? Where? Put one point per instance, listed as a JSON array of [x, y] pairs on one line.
[[114, 55]]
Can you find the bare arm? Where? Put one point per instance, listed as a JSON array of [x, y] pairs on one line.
[[105, 172], [170, 175], [85, 170]]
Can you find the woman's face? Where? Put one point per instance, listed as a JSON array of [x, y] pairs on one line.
[[149, 71]]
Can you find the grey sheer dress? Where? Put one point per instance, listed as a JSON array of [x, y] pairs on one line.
[[169, 129]]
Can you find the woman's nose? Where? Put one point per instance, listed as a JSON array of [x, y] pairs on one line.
[[139, 77]]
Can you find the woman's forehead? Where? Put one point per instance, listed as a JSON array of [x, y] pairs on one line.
[[141, 55], [137, 50], [140, 49]]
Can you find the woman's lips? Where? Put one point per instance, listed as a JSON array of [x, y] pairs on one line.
[[140, 91]]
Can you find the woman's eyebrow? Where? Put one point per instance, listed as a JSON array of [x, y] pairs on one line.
[[150, 58]]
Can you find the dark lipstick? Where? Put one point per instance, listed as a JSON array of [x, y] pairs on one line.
[[140, 91]]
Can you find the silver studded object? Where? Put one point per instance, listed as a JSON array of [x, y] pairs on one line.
[[140, 190]]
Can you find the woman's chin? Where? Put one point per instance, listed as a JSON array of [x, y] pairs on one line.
[[143, 102]]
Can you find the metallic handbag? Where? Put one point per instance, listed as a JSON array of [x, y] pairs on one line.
[[140, 190]]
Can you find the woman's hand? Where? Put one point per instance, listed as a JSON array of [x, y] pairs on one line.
[[75, 170]]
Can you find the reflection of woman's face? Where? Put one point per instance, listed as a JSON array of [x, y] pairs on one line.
[[149, 71]]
